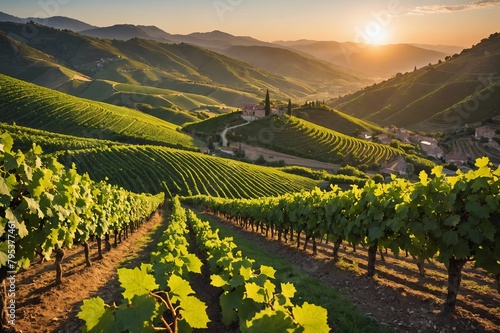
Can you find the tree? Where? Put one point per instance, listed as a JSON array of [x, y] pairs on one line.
[[210, 144], [267, 106], [289, 110]]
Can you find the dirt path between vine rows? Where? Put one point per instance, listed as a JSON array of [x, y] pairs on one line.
[[397, 297], [43, 307]]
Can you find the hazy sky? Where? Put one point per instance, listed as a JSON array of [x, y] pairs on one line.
[[453, 22]]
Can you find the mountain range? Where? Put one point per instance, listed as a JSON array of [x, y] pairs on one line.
[[378, 61]]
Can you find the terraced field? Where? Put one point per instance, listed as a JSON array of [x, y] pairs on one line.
[[154, 169], [24, 137], [33, 106], [473, 149], [298, 137]]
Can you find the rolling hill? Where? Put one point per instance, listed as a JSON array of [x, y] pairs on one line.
[[287, 63], [154, 169], [57, 22], [33, 106], [337, 121], [442, 97], [379, 60], [295, 136], [150, 63]]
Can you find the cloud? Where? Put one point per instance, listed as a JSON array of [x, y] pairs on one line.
[[433, 9]]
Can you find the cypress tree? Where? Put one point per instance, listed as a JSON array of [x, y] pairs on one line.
[[289, 111], [267, 107]]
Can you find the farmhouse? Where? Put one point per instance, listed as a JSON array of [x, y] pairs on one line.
[[395, 167], [253, 110]]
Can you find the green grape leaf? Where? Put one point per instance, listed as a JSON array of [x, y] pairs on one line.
[[3, 253], [246, 272], [268, 271], [97, 317], [312, 318], [375, 233], [136, 282], [229, 301], [288, 290], [450, 238], [138, 315], [193, 263], [4, 190], [194, 312], [452, 221], [179, 287], [217, 281], [268, 320], [236, 280], [482, 162], [255, 292]]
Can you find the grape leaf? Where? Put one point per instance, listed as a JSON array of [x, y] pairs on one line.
[[288, 290], [97, 318], [193, 262], [136, 282], [217, 281], [194, 312], [255, 292], [137, 316], [179, 287], [268, 271], [312, 318], [268, 320]]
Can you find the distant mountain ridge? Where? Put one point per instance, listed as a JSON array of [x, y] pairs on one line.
[[57, 22], [382, 60]]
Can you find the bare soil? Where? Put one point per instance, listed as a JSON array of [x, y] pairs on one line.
[[397, 297], [43, 307]]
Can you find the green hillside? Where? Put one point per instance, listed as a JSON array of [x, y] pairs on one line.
[[154, 169], [150, 63], [24, 137], [290, 64], [298, 137], [26, 63], [30, 105], [440, 97], [337, 121], [215, 125]]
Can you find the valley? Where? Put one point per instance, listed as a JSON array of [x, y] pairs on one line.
[[215, 182]]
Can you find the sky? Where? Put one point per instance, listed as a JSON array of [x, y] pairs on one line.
[[445, 22]]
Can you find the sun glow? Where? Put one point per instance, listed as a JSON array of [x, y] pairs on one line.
[[378, 37]]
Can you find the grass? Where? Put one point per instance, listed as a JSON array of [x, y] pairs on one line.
[[343, 316]]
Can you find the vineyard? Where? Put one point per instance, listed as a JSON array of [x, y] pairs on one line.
[[29, 105], [471, 148], [155, 169], [159, 295], [454, 219], [47, 209], [298, 137]]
